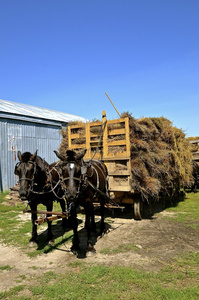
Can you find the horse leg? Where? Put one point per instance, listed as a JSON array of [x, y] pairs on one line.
[[89, 211], [50, 239], [33, 239], [74, 224], [63, 207], [102, 213], [92, 214]]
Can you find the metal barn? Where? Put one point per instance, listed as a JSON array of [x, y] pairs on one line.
[[28, 128]]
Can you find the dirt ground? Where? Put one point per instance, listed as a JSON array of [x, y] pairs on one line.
[[157, 240]]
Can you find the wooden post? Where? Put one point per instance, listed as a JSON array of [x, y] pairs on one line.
[[88, 136], [127, 137], [105, 135], [69, 137]]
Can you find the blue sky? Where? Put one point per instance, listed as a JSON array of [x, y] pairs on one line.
[[64, 55]]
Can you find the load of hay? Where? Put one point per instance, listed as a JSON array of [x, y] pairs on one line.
[[161, 159]]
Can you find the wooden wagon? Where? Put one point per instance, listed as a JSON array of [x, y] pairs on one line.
[[109, 141]]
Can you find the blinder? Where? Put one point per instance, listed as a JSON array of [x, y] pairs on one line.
[[16, 172]]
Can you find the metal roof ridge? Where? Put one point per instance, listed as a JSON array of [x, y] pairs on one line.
[[36, 111]]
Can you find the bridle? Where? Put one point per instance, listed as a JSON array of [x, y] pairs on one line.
[[81, 179], [32, 180], [34, 172]]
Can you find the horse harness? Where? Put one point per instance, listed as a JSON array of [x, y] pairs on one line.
[[49, 180], [26, 178], [84, 181]]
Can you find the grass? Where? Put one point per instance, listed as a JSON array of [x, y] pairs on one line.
[[103, 282], [177, 280], [186, 211], [6, 267], [120, 249], [20, 230]]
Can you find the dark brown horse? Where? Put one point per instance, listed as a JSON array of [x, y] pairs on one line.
[[38, 183], [83, 181]]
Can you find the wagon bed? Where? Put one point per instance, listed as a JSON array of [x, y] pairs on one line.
[[109, 141]]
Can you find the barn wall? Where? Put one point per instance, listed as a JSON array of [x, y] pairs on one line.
[[24, 136]]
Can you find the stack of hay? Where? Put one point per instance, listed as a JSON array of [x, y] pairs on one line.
[[161, 159]]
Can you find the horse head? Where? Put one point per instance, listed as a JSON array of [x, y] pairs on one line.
[[71, 172], [25, 169]]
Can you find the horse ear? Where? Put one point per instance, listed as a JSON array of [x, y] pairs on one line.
[[80, 155], [61, 157], [32, 158], [19, 155]]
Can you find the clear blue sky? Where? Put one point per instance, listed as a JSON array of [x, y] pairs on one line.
[[65, 54]]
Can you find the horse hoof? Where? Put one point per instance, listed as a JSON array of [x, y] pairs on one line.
[[32, 244], [75, 249], [91, 252], [51, 242]]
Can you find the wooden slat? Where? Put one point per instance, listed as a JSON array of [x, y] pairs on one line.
[[77, 126], [97, 123], [117, 131], [119, 173], [117, 156], [109, 159], [122, 120], [117, 143], [94, 142], [94, 134], [120, 188], [76, 136], [77, 146]]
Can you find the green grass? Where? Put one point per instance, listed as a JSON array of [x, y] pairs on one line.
[[6, 267], [120, 249], [20, 230], [186, 211], [102, 282], [177, 280]]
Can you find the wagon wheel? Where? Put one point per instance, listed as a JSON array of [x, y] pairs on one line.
[[138, 209]]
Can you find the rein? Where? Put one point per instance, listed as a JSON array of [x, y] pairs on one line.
[[52, 190], [24, 178], [67, 178]]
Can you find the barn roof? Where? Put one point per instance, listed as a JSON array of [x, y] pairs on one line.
[[21, 111]]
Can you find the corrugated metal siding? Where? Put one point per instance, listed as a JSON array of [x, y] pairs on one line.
[[24, 136]]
